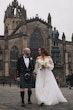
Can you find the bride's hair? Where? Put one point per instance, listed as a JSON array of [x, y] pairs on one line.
[[44, 51]]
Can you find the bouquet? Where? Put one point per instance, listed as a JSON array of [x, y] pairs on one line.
[[44, 64]]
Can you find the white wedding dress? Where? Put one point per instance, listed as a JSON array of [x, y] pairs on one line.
[[46, 88]]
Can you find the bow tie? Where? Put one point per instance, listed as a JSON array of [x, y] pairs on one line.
[[26, 57]]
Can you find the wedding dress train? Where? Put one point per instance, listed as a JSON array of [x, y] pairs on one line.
[[46, 87]]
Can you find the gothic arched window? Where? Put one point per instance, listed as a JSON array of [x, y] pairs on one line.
[[13, 60], [36, 41], [14, 53]]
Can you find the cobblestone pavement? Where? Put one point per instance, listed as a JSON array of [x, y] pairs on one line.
[[10, 100]]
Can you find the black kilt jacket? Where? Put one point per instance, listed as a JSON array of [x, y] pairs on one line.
[[22, 70]]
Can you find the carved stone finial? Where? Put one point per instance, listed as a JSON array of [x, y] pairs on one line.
[[49, 16], [37, 16], [72, 37], [49, 19], [15, 3], [63, 37], [23, 7]]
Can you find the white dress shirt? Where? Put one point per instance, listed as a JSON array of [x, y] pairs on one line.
[[26, 60]]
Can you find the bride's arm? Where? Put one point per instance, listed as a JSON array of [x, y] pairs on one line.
[[36, 67], [51, 64]]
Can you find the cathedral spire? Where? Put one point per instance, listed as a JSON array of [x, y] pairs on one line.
[[72, 37], [49, 19], [63, 37], [14, 14], [15, 11], [15, 3]]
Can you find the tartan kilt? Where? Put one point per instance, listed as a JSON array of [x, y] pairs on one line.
[[27, 83]]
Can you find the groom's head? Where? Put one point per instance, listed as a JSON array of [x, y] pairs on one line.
[[27, 51]]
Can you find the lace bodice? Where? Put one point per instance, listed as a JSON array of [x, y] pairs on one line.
[[48, 61]]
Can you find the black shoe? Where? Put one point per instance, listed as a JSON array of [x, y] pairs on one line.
[[41, 104], [29, 102], [23, 104], [69, 87]]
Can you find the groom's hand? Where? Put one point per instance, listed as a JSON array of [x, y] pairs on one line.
[[18, 78]]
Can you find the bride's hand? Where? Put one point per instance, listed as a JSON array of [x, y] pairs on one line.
[[34, 75]]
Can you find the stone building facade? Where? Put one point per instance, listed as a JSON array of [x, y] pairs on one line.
[[20, 32]]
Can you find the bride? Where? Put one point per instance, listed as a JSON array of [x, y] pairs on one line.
[[46, 88]]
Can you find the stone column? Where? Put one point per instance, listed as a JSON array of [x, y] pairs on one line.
[[6, 57], [66, 64], [6, 63]]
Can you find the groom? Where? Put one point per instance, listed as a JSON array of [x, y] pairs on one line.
[[24, 74]]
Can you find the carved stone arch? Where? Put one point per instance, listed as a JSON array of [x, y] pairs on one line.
[[36, 41], [13, 60], [14, 52], [1, 58]]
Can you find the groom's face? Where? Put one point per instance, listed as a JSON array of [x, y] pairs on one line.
[[27, 52]]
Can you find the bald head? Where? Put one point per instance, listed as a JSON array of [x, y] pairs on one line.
[[27, 51]]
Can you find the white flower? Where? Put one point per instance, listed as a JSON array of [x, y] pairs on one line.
[[31, 58], [44, 63]]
